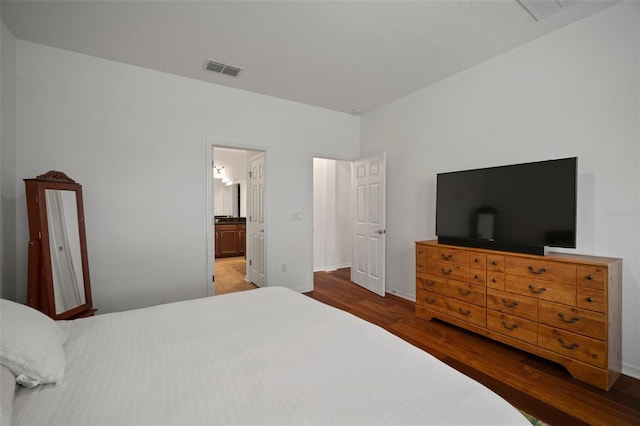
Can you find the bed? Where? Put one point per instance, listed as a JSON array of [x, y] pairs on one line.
[[266, 356]]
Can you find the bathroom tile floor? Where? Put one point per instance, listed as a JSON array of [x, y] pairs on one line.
[[230, 275]]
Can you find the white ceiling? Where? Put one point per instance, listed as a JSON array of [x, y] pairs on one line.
[[339, 55]]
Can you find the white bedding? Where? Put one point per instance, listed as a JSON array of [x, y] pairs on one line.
[[266, 356]]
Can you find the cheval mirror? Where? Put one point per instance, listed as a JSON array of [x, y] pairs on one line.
[[58, 276]]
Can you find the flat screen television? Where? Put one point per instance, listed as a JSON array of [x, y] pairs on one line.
[[522, 208]]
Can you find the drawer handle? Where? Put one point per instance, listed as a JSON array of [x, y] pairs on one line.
[[494, 263], [568, 320], [509, 327], [537, 291], [464, 292], [430, 301], [476, 260], [446, 271], [495, 280], [538, 272], [506, 303], [590, 299], [446, 256], [571, 346], [419, 251], [465, 313], [420, 265], [476, 276], [589, 277]]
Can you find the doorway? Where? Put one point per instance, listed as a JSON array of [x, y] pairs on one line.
[[349, 200], [332, 214], [232, 250]]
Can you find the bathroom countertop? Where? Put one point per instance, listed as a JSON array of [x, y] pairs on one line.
[[230, 220]]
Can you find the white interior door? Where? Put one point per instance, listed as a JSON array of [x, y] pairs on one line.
[[255, 224], [369, 227]]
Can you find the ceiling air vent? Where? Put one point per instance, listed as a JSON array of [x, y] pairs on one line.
[[222, 68], [541, 9], [232, 71]]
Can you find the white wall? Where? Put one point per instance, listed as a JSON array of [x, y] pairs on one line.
[[331, 214], [8, 287], [137, 141], [574, 92]]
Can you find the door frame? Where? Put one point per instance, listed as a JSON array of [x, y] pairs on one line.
[[210, 144]]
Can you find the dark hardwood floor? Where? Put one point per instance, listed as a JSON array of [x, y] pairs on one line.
[[539, 387]]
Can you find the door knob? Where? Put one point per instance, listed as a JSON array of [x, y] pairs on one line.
[[381, 231]]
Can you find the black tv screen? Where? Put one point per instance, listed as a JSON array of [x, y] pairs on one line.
[[521, 207]]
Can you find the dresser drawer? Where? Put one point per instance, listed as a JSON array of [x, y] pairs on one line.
[[467, 311], [495, 263], [594, 277], [421, 258], [478, 260], [421, 264], [541, 269], [539, 289], [467, 292], [429, 283], [448, 270], [495, 280], [581, 321], [573, 345], [430, 300], [449, 255], [513, 304], [594, 300], [515, 327], [477, 277]]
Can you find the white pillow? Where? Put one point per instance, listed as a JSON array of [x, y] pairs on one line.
[[31, 344]]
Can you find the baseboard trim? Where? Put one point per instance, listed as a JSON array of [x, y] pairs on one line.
[[396, 292], [331, 268], [631, 370], [302, 289]]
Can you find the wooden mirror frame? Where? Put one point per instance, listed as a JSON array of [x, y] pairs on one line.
[[40, 286]]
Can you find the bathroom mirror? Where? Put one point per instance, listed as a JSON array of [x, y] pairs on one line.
[[228, 199], [58, 282]]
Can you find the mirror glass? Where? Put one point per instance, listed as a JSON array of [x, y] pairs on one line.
[[235, 200], [228, 199], [64, 244]]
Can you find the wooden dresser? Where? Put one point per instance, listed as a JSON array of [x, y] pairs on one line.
[[562, 307]]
